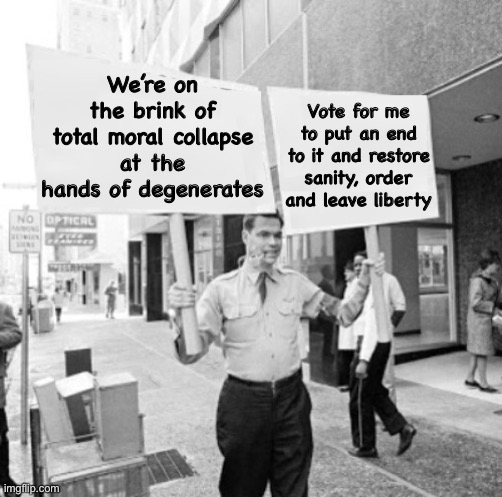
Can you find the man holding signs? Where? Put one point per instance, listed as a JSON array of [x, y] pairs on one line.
[[263, 419], [264, 429]]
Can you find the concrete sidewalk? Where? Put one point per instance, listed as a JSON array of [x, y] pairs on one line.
[[459, 441]]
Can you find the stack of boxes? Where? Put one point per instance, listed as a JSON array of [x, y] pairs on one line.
[[94, 435]]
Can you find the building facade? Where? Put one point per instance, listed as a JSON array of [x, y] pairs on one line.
[[94, 28], [448, 50]]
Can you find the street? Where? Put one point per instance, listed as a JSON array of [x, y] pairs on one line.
[[456, 452]]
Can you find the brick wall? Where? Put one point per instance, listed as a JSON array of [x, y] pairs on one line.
[[477, 210]]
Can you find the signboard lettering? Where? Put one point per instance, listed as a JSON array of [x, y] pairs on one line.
[[70, 221], [79, 238], [24, 231]]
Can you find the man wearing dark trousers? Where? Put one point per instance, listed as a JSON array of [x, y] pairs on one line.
[[10, 336], [263, 420], [368, 395]]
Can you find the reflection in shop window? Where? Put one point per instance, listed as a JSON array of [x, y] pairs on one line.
[[432, 260], [437, 312]]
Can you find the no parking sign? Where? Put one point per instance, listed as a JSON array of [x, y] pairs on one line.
[[25, 232]]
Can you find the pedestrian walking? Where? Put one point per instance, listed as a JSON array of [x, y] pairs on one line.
[[484, 301], [263, 419], [10, 336], [58, 299], [395, 302], [111, 299], [368, 395]]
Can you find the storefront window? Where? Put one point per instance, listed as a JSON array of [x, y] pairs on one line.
[[432, 259], [435, 274]]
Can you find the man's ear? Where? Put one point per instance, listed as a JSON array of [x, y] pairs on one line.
[[245, 235]]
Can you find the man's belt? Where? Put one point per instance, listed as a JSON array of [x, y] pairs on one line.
[[268, 384]]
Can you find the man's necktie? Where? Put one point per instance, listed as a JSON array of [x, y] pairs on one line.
[[262, 286]]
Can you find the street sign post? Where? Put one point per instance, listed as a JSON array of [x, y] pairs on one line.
[[25, 237], [25, 231]]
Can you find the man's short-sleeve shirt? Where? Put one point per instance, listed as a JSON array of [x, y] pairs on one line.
[[259, 340]]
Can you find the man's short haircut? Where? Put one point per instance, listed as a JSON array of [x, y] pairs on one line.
[[488, 257], [349, 266], [361, 253], [249, 220]]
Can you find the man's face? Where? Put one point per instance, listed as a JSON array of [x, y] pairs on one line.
[[358, 264], [264, 240]]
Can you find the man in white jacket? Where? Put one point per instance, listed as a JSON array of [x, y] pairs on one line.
[[396, 309], [368, 395]]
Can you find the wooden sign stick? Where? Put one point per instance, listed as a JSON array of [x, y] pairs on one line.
[[184, 277], [372, 246]]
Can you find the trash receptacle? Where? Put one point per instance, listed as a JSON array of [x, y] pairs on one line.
[[43, 317]]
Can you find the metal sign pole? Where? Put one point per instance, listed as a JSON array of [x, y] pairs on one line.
[[24, 238], [24, 352], [40, 262]]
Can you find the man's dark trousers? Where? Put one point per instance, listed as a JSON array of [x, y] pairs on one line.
[[369, 396], [265, 435]]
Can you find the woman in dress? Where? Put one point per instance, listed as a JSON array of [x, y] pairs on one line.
[[483, 301]]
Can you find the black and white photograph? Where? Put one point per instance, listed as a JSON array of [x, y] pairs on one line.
[[251, 248]]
